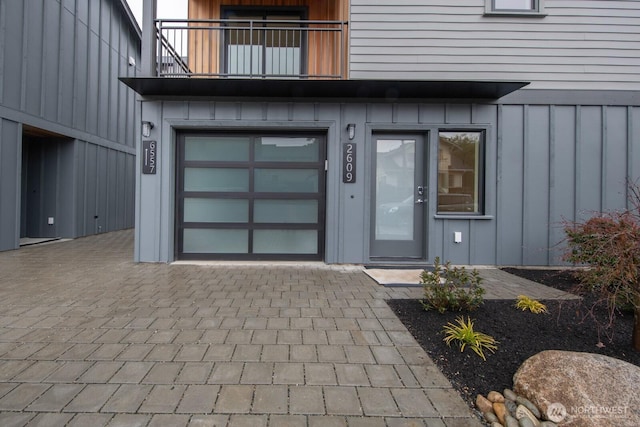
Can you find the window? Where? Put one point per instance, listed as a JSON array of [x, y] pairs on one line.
[[460, 172], [256, 45], [535, 7]]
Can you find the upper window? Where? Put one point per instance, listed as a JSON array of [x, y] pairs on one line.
[[264, 41], [515, 6], [460, 183]]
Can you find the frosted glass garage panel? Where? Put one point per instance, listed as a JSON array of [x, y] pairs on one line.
[[216, 179], [287, 149], [285, 242], [286, 180], [217, 148], [286, 211], [215, 210], [215, 241]]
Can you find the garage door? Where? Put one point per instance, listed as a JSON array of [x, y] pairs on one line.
[[250, 197]]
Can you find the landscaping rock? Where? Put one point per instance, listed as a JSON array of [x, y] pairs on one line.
[[510, 421], [509, 394], [483, 404], [581, 389], [522, 412], [511, 407], [530, 406], [500, 411], [495, 396], [526, 422], [490, 417]]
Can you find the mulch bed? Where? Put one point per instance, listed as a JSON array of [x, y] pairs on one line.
[[567, 326]]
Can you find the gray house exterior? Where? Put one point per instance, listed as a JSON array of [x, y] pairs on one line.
[[67, 124], [468, 130]]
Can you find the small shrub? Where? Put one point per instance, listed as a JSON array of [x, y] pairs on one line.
[[609, 244], [525, 303], [453, 289], [464, 335]]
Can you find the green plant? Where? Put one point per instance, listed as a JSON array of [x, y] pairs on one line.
[[464, 335], [525, 303], [453, 289], [609, 244]]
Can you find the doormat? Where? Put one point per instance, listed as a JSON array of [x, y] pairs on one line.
[[406, 278]]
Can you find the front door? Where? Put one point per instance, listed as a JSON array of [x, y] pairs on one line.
[[398, 197]]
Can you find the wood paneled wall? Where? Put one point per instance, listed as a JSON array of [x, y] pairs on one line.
[[204, 46]]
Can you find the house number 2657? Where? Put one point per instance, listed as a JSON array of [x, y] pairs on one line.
[[349, 163]]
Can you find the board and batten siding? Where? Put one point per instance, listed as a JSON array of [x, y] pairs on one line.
[[578, 44], [66, 121], [543, 163]]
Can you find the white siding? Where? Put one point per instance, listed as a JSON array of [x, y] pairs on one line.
[[578, 44]]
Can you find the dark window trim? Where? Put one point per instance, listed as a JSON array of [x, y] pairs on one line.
[[537, 12], [320, 196], [481, 213], [300, 13]]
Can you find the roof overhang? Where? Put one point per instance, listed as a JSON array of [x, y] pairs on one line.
[[391, 90]]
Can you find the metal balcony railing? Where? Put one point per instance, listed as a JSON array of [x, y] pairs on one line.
[[292, 49]]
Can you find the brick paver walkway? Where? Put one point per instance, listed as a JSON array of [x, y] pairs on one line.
[[89, 338]]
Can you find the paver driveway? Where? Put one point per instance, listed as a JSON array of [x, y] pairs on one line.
[[89, 338]]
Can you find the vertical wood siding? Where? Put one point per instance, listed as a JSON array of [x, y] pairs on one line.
[[579, 44], [204, 46]]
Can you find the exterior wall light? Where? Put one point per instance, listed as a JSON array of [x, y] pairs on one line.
[[351, 129], [146, 128]]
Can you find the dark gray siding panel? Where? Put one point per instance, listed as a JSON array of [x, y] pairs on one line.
[[50, 68], [536, 186], [12, 65], [562, 183], [615, 168], [9, 184], [32, 82], [589, 158], [67, 89], [510, 164]]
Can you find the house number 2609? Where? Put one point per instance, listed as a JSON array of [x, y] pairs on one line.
[[349, 163]]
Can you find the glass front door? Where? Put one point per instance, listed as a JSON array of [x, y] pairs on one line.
[[398, 197], [250, 197]]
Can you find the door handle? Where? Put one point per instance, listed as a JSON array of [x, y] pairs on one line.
[[419, 201]]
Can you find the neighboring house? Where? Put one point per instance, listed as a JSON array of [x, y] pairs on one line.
[[377, 131], [67, 124]]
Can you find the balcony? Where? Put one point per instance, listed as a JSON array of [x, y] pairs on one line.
[[251, 49]]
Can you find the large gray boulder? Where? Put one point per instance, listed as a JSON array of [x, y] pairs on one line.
[[581, 389]]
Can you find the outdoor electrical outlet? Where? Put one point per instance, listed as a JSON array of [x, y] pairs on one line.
[[50, 220], [457, 236]]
